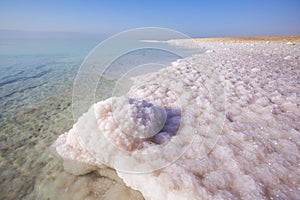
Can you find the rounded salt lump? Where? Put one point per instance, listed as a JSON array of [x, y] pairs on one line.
[[128, 122]]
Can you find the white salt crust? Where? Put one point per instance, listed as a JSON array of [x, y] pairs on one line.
[[257, 155]]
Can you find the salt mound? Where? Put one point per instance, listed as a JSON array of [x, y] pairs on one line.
[[122, 126]]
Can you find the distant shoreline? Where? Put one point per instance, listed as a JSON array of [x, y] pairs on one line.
[[247, 39], [234, 39]]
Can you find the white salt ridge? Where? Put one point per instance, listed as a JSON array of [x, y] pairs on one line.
[[256, 157]]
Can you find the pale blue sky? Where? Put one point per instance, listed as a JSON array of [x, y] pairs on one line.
[[195, 18]]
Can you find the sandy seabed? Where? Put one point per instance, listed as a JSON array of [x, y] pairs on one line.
[[256, 155]]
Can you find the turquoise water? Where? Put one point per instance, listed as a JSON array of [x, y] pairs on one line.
[[36, 82]]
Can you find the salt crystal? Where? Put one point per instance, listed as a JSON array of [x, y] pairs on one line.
[[288, 58], [290, 43]]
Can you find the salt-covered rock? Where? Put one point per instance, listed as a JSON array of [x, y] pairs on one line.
[[209, 51], [290, 43], [288, 58], [255, 69], [123, 126]]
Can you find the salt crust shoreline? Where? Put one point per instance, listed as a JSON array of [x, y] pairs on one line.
[[257, 155]]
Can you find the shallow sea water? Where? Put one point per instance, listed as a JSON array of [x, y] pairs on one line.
[[35, 93], [36, 82]]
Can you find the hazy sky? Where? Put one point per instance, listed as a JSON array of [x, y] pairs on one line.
[[195, 18]]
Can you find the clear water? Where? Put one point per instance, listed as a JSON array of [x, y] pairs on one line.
[[36, 80], [35, 95]]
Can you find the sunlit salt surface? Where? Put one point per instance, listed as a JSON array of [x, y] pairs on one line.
[[257, 154]]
